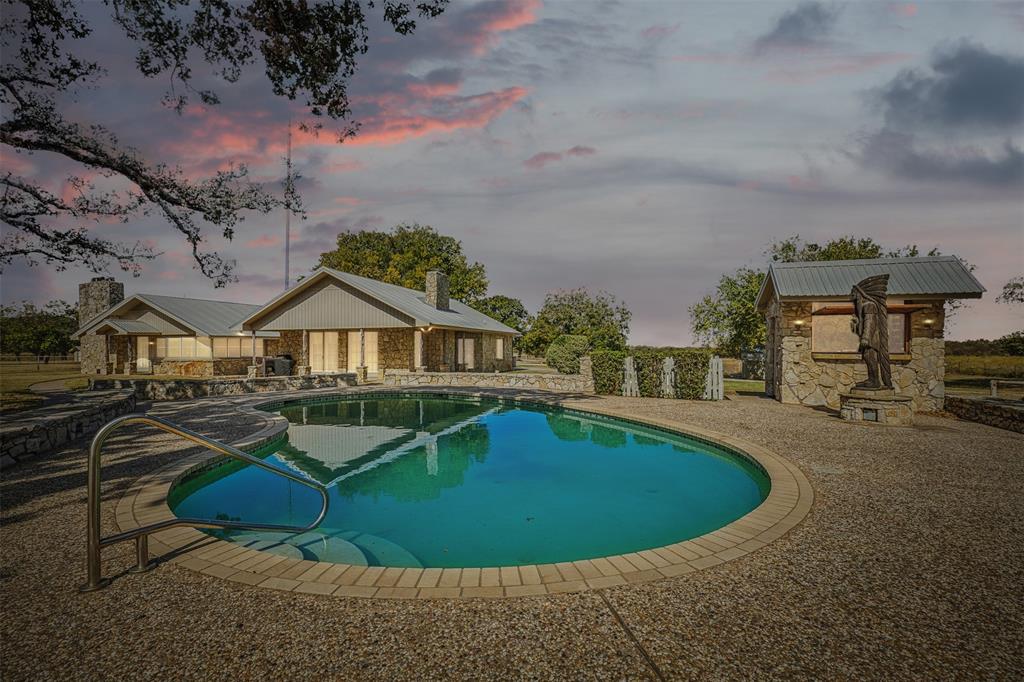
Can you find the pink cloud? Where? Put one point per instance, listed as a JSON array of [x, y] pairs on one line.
[[658, 31], [345, 166], [499, 16], [836, 66], [580, 150], [348, 201], [169, 275], [903, 9], [264, 240], [541, 159]]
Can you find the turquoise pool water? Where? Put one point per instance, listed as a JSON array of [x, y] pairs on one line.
[[439, 482]]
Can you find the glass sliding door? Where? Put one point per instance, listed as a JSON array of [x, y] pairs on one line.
[[369, 351], [143, 365], [323, 351]]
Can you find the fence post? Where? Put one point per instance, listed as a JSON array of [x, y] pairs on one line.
[[994, 386], [713, 385]]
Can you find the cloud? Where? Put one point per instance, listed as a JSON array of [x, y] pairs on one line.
[[835, 66], [903, 9], [968, 86], [541, 159], [807, 25], [659, 31], [898, 154], [264, 241]]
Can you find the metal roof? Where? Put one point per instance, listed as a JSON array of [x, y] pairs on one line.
[[204, 317], [409, 301], [942, 276]]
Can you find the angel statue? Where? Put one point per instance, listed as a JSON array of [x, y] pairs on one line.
[[871, 324]]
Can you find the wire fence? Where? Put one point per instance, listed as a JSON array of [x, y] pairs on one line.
[[24, 360]]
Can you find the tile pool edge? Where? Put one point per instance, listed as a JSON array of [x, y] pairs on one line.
[[788, 502]]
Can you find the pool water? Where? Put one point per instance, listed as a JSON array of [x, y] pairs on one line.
[[444, 482]]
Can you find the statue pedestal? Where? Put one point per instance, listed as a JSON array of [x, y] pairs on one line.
[[877, 406]]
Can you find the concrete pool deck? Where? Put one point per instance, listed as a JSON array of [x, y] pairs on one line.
[[909, 564]]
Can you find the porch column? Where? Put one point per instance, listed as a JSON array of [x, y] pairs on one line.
[[362, 348], [419, 358], [253, 346], [304, 369]]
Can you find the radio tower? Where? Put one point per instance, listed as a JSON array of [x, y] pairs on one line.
[[289, 191]]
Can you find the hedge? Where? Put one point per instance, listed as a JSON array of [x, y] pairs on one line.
[[691, 371]]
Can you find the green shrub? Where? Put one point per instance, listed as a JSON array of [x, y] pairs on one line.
[[565, 352], [608, 367]]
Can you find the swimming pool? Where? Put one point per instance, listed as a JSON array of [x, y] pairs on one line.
[[445, 482]]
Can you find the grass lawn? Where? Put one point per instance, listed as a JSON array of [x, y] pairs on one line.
[[744, 386], [973, 385], [16, 377]]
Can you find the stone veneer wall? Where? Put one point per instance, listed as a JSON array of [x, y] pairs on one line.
[[93, 298], [184, 389], [395, 349], [567, 383], [800, 377], [998, 412], [492, 363]]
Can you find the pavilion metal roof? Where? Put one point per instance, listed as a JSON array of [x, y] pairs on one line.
[[944, 276], [204, 317]]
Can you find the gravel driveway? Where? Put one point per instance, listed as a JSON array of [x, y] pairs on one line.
[[910, 565]]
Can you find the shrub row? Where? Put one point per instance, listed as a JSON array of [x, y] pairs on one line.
[[691, 370], [565, 352]]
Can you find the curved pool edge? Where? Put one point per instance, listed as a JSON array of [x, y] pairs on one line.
[[789, 501]]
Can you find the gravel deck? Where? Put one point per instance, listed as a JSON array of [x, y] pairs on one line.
[[909, 565]]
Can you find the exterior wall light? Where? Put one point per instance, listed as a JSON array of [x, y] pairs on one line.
[[798, 323], [929, 322]]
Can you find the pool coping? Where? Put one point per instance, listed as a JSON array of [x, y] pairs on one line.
[[788, 502]]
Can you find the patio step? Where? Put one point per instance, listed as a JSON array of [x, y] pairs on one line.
[[383, 551], [312, 546]]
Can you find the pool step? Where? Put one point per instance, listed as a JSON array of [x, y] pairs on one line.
[[313, 546], [385, 552]]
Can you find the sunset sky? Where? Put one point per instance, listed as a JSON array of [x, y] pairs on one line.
[[637, 147]]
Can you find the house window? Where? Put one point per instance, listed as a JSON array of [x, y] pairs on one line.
[[465, 351], [184, 347], [235, 347], [499, 348]]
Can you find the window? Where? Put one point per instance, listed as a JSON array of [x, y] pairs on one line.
[[184, 347], [499, 348], [235, 346]]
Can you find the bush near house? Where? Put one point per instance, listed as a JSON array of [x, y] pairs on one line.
[[691, 370], [565, 352]]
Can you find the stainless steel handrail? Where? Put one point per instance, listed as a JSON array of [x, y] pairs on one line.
[[95, 543]]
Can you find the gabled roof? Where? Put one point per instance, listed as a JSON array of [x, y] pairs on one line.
[[409, 301], [203, 317], [943, 276]]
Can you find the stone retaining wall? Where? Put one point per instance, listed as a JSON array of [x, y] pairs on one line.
[[42, 430], [182, 389], [566, 383], [998, 412]]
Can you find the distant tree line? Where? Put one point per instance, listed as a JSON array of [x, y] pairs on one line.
[[45, 330], [1011, 344]]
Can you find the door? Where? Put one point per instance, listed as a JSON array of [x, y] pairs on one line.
[[143, 365], [323, 351], [466, 348], [369, 351]]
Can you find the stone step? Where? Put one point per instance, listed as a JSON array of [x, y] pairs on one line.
[[384, 551]]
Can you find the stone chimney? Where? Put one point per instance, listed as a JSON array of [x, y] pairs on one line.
[[96, 296], [93, 298], [437, 289]]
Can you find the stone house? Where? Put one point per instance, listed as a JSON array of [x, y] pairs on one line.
[[811, 352], [331, 322], [335, 321], [151, 334]]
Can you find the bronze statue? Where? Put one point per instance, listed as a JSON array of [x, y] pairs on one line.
[[871, 323]]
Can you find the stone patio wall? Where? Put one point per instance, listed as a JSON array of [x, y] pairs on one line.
[[43, 430], [566, 383], [998, 412], [184, 389]]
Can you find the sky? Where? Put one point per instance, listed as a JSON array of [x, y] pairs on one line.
[[642, 148]]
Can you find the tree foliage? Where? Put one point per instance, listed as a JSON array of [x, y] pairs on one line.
[[46, 330], [728, 320], [509, 311], [404, 255], [307, 49], [1013, 291], [600, 317]]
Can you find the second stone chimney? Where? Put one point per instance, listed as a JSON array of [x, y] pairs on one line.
[[437, 289]]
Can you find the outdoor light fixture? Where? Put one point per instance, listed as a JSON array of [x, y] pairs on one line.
[[798, 323], [929, 322]]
